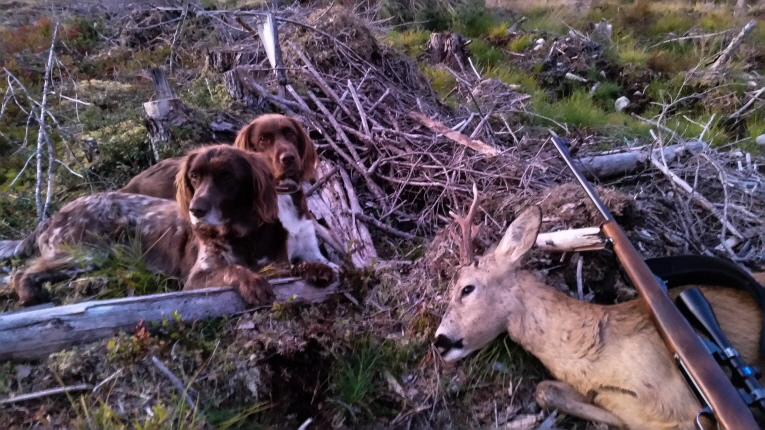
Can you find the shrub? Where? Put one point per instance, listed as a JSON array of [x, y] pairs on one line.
[[716, 21], [671, 22]]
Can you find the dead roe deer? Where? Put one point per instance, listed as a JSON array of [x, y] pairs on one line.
[[610, 364]]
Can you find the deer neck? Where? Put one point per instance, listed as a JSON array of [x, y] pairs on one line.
[[557, 329]]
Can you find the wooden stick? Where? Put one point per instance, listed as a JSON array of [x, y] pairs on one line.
[[174, 380], [45, 393], [455, 136], [575, 240], [360, 108], [384, 227], [727, 53], [38, 333]]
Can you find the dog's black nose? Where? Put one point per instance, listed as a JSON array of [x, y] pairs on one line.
[[198, 212], [445, 344], [287, 158]]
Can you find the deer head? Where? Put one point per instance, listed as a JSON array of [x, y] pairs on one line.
[[485, 293]]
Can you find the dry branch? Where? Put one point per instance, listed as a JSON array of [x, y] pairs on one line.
[[456, 136], [45, 393], [37, 333], [728, 52], [43, 138]]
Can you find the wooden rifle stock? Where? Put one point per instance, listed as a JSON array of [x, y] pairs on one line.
[[682, 341]]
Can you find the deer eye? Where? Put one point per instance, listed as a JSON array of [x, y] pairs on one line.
[[467, 290]]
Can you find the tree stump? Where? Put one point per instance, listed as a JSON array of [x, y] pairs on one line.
[[225, 58], [238, 89], [448, 48], [163, 113]]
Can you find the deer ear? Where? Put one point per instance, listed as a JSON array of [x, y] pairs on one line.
[[520, 236]]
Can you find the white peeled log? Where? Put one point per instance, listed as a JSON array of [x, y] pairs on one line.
[[619, 164], [575, 240]]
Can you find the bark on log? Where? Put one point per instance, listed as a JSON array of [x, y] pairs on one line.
[[611, 165], [34, 334], [335, 204], [225, 58], [163, 113], [238, 89]]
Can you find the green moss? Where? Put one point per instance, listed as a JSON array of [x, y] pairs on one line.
[[631, 54], [578, 110], [520, 44]]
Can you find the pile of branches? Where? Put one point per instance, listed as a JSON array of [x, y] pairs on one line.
[[412, 160]]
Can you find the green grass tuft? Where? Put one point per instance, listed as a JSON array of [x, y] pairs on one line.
[[485, 55], [520, 44], [412, 43]]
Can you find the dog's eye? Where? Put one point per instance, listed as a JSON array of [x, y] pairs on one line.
[[467, 290], [194, 176], [289, 133]]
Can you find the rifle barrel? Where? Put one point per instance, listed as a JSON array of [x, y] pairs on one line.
[[560, 145]]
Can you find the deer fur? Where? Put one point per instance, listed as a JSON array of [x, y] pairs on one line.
[[609, 360]]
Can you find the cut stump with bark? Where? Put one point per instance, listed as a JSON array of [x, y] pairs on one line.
[[163, 113], [449, 49]]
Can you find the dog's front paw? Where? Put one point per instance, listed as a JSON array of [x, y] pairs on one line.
[[318, 274], [254, 289]]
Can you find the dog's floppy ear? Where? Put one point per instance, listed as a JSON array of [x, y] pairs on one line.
[[308, 153], [244, 138], [265, 203], [184, 191]]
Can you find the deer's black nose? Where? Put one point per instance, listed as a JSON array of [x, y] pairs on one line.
[[444, 344]]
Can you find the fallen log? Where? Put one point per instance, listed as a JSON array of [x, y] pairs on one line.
[[34, 334], [335, 204], [619, 164]]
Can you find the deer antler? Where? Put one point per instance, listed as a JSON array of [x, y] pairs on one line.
[[469, 231]]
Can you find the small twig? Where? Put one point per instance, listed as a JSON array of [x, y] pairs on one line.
[[579, 280], [321, 181], [111, 377], [384, 227], [699, 36], [45, 393], [174, 380], [382, 97], [756, 95]]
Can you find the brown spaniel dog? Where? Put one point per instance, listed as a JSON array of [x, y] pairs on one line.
[[293, 157], [222, 226]]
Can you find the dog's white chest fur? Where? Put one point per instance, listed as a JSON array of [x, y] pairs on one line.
[[301, 241]]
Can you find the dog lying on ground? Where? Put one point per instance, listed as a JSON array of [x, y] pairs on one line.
[[293, 157], [221, 227]]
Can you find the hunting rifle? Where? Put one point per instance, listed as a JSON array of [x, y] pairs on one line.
[[722, 400]]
